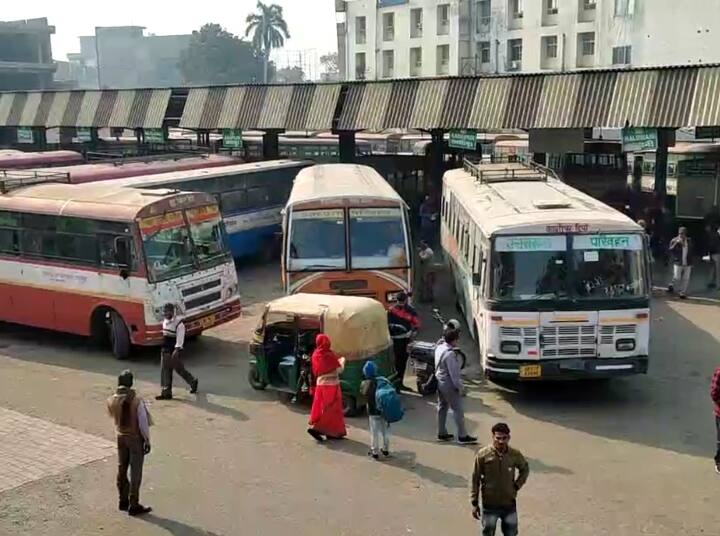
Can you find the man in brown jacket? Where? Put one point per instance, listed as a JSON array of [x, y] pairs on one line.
[[499, 473], [132, 422]]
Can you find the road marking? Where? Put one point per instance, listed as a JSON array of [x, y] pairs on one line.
[[32, 449]]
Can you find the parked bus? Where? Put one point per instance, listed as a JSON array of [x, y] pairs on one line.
[[346, 231], [101, 261], [133, 168], [553, 283], [251, 199], [13, 159]]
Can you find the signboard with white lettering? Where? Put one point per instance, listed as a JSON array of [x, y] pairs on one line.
[[530, 243], [232, 138], [639, 139], [464, 139], [25, 135], [631, 242], [83, 134], [154, 135], [388, 3], [706, 133]]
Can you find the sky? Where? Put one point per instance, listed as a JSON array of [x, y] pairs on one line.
[[311, 22]]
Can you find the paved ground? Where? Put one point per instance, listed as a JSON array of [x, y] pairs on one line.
[[628, 458]]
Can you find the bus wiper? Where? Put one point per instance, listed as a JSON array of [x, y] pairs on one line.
[[316, 267]]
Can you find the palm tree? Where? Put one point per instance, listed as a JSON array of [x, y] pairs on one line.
[[269, 31]]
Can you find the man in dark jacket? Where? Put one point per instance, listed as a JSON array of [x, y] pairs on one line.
[[498, 474], [715, 395], [402, 314], [682, 253]]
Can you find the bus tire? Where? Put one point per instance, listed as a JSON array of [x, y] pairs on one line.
[[254, 378], [119, 336], [350, 405]]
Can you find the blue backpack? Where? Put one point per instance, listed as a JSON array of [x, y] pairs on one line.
[[388, 401]]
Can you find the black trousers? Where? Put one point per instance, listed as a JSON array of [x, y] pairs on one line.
[[400, 349], [168, 365]]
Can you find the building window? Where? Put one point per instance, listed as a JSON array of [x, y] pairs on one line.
[[388, 64], [483, 14], [624, 8], [622, 55], [388, 26], [516, 9], [589, 4], [415, 61], [514, 54], [483, 48], [443, 19], [360, 67], [550, 46], [587, 44], [416, 22], [443, 59], [360, 31], [551, 7]]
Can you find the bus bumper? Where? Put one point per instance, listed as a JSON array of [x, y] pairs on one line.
[[565, 369]]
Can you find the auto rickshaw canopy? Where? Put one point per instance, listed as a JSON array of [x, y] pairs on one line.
[[357, 326]]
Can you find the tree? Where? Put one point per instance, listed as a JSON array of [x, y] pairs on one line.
[[269, 30], [216, 56], [290, 75], [331, 67]]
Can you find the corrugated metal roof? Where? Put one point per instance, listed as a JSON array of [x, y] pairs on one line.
[[229, 111], [6, 100], [30, 109], [86, 115]]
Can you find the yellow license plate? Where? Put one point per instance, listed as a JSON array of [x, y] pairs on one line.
[[530, 371], [207, 322]]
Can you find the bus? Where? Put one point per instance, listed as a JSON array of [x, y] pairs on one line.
[[120, 169], [346, 231], [101, 261], [14, 159], [251, 198], [553, 283]]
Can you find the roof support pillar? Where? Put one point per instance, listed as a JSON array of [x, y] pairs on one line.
[[346, 146], [437, 167], [271, 144], [666, 137]]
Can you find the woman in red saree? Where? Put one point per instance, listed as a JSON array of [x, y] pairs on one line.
[[326, 415]]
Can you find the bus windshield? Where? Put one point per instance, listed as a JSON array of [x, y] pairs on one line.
[[317, 240], [174, 248], [377, 238], [541, 267]]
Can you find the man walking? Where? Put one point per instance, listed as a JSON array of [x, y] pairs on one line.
[[170, 360], [715, 395], [448, 365], [498, 474], [682, 252], [426, 271], [132, 428], [402, 314]]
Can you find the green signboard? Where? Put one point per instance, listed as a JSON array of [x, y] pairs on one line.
[[154, 135], [83, 134], [639, 139], [25, 135], [463, 139], [232, 138], [706, 133]]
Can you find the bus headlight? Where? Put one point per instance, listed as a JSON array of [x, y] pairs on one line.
[[625, 345], [510, 347], [159, 313], [232, 290]]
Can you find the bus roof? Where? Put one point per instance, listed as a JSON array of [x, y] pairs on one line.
[[99, 200], [341, 181], [530, 206]]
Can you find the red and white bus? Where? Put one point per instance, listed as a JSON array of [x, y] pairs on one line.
[[101, 261], [14, 159]]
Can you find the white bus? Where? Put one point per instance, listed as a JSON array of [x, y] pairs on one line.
[[553, 283]]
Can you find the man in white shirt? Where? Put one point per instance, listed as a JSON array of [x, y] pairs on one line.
[[682, 252], [173, 340], [426, 272]]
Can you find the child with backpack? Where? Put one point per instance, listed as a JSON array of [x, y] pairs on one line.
[[383, 408]]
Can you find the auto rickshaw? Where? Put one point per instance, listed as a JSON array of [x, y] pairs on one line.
[[284, 340]]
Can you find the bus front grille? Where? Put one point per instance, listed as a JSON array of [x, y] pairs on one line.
[[608, 334], [568, 341], [202, 287], [202, 300]]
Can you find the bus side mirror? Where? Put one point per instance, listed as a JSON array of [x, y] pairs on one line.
[[476, 280], [122, 255]]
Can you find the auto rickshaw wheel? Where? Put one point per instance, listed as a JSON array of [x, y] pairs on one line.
[[350, 406], [254, 378]]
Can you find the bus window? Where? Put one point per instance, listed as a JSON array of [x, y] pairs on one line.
[[258, 197], [232, 202], [207, 233], [108, 259], [377, 238], [609, 266], [76, 248], [10, 241], [317, 240], [167, 246]]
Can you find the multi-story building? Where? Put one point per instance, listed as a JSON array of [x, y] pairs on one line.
[[407, 38], [26, 54]]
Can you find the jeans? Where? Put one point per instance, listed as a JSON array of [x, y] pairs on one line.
[[681, 277], [450, 398], [168, 364], [130, 455], [379, 430], [717, 432], [508, 522]]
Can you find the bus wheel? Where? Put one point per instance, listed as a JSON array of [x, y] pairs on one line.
[[350, 407], [119, 336], [254, 378]]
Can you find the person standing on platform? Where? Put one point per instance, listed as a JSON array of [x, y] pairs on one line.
[[170, 358], [402, 314], [682, 252]]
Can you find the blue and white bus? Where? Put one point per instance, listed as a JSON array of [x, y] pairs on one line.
[[251, 198]]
